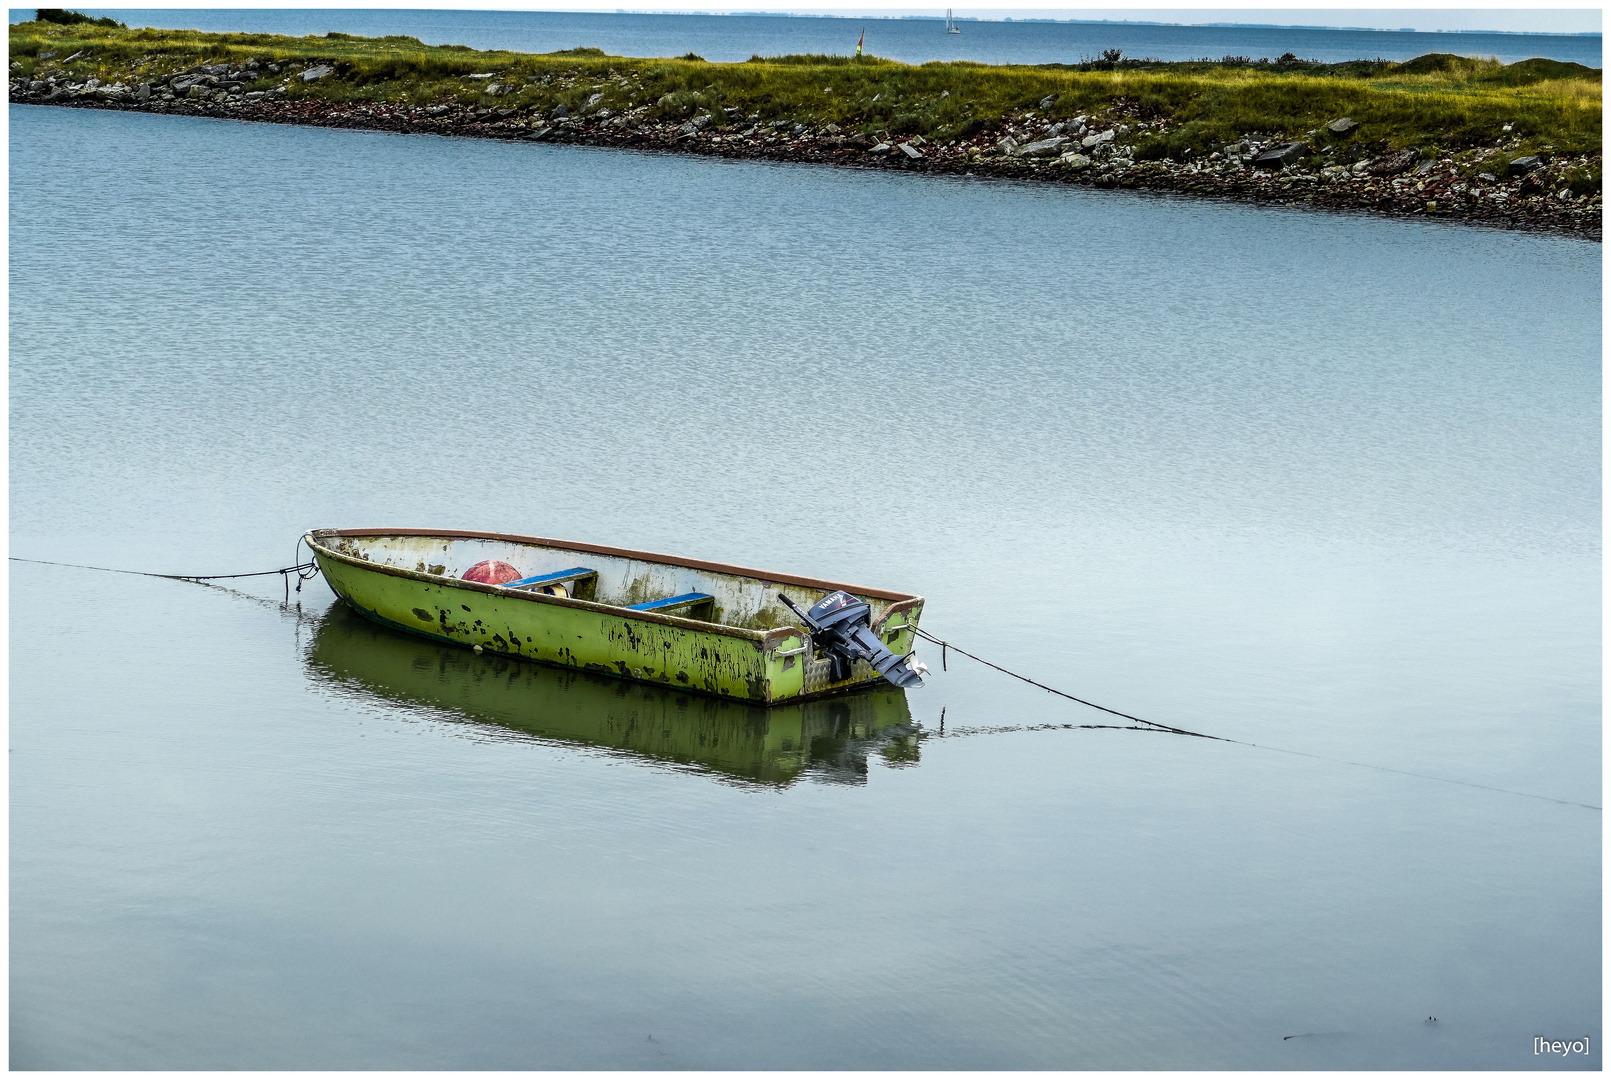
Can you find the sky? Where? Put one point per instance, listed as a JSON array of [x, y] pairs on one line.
[[1386, 17]]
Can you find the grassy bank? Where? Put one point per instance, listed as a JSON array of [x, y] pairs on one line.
[[1437, 103]]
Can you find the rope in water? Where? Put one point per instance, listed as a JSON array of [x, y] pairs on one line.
[[303, 571], [946, 645], [1153, 725]]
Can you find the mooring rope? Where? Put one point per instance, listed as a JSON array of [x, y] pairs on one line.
[[303, 571], [946, 645], [1153, 725]]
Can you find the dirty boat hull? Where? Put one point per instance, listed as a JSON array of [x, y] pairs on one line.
[[753, 649]]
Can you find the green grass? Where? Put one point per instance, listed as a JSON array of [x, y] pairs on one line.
[[1435, 101]]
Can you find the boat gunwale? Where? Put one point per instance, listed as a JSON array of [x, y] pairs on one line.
[[900, 602]]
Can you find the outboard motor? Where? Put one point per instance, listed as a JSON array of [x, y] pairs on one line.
[[841, 626]]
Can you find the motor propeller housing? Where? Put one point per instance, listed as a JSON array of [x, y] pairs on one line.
[[841, 628]]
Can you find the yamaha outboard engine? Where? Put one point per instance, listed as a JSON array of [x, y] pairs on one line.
[[841, 627]]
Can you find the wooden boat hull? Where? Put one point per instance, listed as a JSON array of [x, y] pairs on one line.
[[753, 649]]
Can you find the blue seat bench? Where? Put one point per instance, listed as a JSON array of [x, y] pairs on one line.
[[559, 578], [687, 601]]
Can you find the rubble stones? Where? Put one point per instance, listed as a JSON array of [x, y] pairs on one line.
[[1539, 197], [1342, 126]]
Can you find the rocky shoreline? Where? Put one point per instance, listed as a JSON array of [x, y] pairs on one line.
[[1091, 150]]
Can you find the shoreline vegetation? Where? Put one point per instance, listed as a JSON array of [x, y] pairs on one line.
[[1440, 136]]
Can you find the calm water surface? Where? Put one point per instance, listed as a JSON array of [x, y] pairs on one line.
[[734, 38], [1321, 483]]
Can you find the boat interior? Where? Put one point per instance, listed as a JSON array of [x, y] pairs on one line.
[[637, 581]]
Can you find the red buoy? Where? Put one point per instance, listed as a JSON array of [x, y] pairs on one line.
[[492, 572]]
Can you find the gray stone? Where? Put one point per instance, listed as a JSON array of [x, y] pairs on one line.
[[1285, 154], [78, 55], [560, 112], [1395, 163], [539, 134], [316, 73], [1043, 148], [881, 149], [797, 129], [1341, 127], [1097, 140], [593, 102], [918, 140], [832, 129], [1008, 145], [1075, 161], [37, 86], [197, 90], [1425, 167], [912, 153], [1526, 164]]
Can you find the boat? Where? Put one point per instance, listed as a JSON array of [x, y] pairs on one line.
[[705, 627], [489, 695], [951, 26]]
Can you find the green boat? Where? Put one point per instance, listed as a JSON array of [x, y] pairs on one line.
[[827, 741], [705, 627]]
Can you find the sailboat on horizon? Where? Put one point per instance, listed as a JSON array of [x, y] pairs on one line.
[[951, 26]]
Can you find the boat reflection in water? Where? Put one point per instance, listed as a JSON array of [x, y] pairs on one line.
[[828, 739]]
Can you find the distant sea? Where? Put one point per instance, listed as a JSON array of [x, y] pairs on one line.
[[912, 40]]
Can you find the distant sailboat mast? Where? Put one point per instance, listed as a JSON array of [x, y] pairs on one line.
[[951, 26]]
